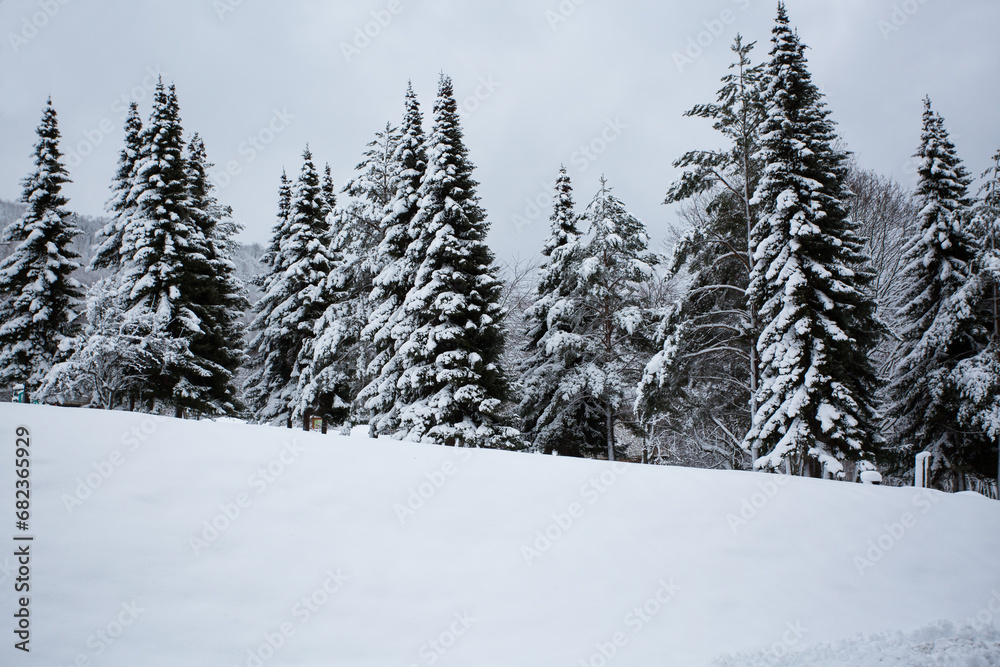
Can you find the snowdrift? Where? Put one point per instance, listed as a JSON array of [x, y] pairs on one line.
[[159, 542]]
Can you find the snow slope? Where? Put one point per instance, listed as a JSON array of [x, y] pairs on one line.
[[939, 644], [316, 559]]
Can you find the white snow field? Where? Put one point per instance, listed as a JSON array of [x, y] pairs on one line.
[[167, 542], [941, 643]]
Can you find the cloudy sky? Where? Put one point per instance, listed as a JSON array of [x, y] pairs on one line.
[[596, 85]]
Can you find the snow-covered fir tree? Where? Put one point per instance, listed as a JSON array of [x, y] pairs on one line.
[[388, 323], [220, 297], [978, 378], [702, 381], [38, 294], [166, 265], [942, 326], [329, 191], [109, 252], [815, 400], [328, 370], [340, 355], [327, 364], [300, 259], [556, 417], [451, 385], [270, 349], [370, 194], [611, 319], [105, 363]]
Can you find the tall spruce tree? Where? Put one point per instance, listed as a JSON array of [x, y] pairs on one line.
[[327, 365], [110, 252], [942, 328], [389, 325], [219, 299], [166, 265], [270, 347], [295, 300], [704, 378], [109, 361], [106, 362], [329, 191], [556, 417], [328, 370], [38, 294], [452, 385], [981, 385], [614, 323], [340, 354], [370, 194], [815, 400]]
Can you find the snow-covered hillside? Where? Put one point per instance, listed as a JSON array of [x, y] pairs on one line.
[[165, 542]]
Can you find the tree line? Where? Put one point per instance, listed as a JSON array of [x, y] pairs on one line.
[[829, 321], [813, 318]]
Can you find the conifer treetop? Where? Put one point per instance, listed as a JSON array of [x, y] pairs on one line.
[[38, 294], [937, 307], [815, 400], [110, 252], [451, 384]]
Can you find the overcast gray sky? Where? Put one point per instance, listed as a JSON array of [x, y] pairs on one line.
[[538, 80]]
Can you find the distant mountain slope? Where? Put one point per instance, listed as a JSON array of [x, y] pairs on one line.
[[246, 259]]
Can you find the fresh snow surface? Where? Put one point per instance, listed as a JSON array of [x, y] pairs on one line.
[[940, 644], [166, 542]]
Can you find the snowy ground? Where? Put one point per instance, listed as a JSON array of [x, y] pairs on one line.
[[164, 542], [940, 644]]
